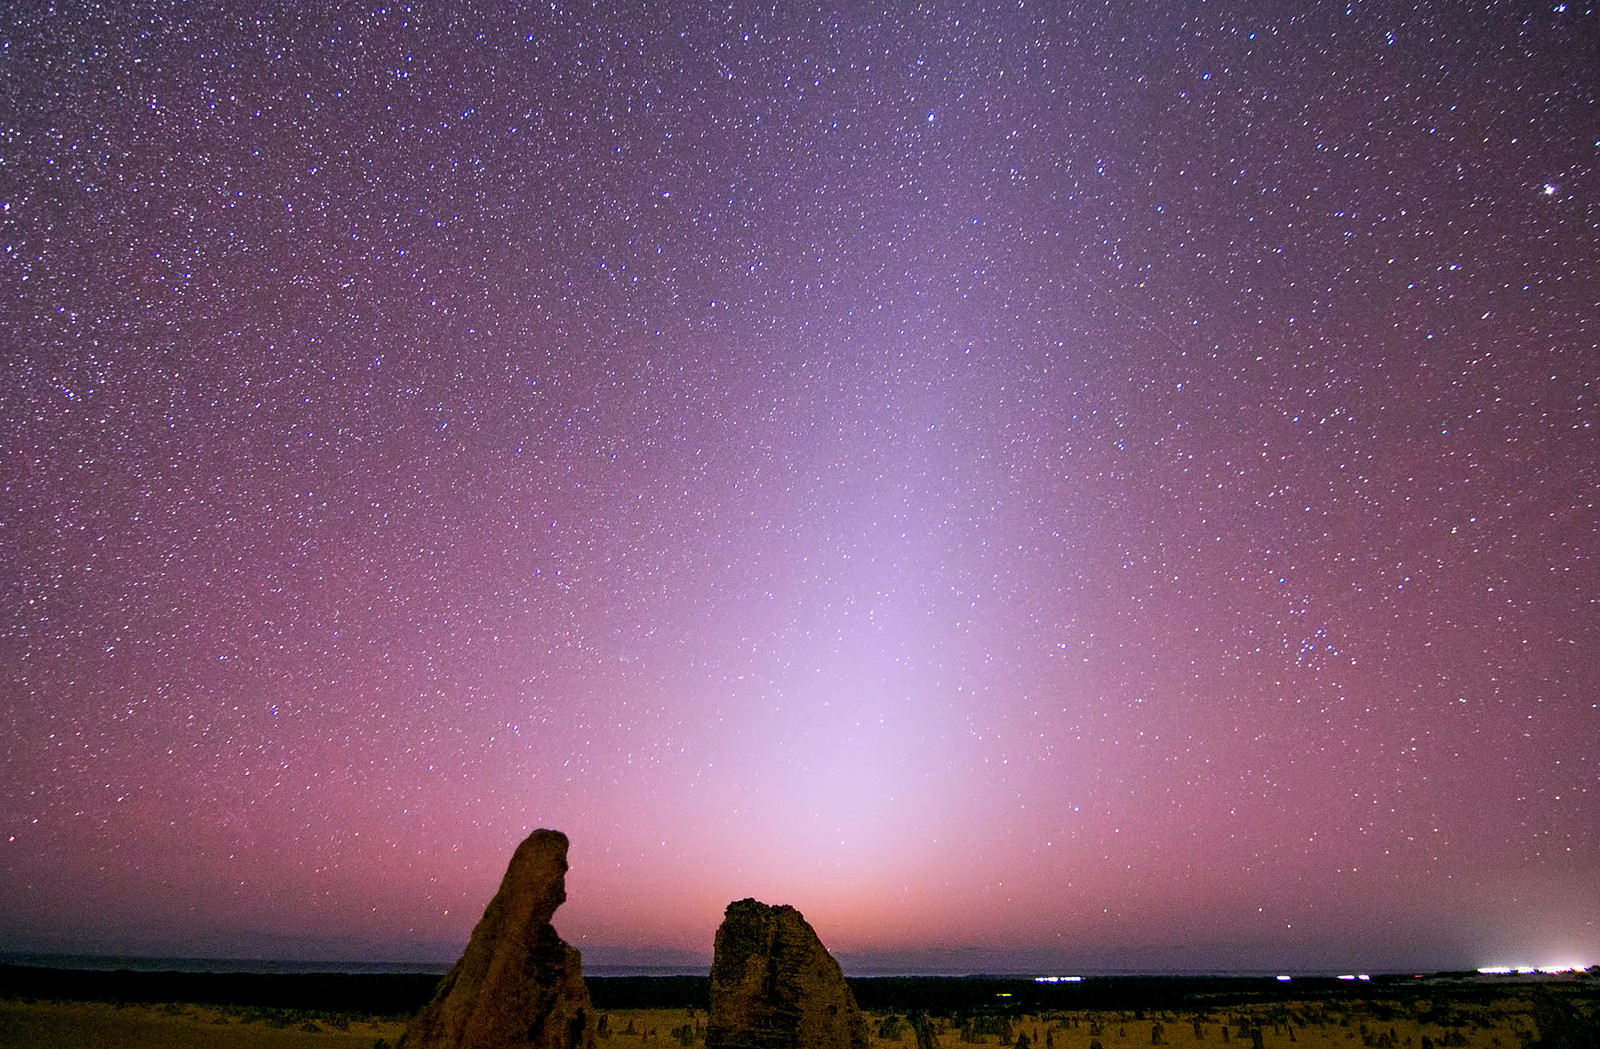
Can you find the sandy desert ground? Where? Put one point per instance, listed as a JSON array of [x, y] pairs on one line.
[[82, 1025], [1506, 1022]]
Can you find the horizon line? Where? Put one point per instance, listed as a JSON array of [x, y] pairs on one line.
[[269, 966]]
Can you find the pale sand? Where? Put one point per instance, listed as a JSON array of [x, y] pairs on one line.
[[1505, 1023]]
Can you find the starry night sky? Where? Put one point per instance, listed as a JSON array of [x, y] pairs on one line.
[[1030, 484]]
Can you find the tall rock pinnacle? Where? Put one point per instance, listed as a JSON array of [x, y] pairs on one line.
[[517, 984]]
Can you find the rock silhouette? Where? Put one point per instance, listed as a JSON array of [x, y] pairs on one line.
[[517, 984], [774, 986]]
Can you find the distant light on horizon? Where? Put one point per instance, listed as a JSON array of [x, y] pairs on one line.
[[1284, 979], [1529, 970], [1058, 979]]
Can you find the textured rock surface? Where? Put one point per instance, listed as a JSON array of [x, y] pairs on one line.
[[774, 986], [517, 984]]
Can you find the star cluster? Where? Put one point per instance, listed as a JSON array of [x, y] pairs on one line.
[[1046, 484]]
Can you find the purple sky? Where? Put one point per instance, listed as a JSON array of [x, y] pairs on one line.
[[1031, 485]]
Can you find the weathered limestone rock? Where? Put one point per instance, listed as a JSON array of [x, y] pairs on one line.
[[517, 984], [774, 986]]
